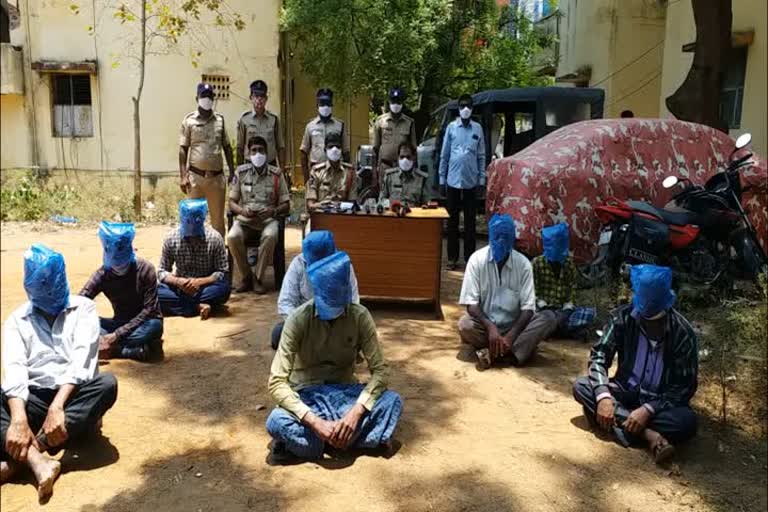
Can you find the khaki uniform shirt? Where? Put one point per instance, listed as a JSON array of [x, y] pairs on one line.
[[404, 186], [313, 142], [205, 139], [267, 126], [389, 132], [255, 188], [327, 183], [314, 351]]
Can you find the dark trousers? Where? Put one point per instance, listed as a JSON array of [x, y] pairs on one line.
[[148, 333], [174, 302], [277, 331], [676, 425], [459, 200], [85, 407]]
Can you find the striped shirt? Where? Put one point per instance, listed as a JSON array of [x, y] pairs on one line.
[[677, 380], [193, 256]]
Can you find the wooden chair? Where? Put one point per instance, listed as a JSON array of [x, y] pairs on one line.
[[278, 259]]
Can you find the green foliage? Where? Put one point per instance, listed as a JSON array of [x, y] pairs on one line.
[[30, 199]]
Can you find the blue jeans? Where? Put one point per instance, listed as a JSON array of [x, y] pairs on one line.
[[174, 302], [149, 332], [331, 402]]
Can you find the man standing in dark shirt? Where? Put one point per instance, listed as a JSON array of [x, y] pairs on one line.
[[648, 397], [130, 284]]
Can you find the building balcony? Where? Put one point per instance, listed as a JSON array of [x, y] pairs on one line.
[[11, 69]]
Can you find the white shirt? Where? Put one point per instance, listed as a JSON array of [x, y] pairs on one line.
[[36, 354], [501, 298], [297, 289]]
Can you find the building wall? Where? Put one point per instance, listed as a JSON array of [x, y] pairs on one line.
[[53, 32], [622, 42], [747, 15]]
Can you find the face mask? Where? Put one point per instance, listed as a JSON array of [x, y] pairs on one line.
[[117, 241], [324, 110], [205, 103], [501, 236], [395, 108], [465, 112], [406, 164], [192, 213], [334, 154], [45, 279], [259, 159]]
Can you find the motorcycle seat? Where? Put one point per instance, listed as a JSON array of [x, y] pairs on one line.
[[677, 218]]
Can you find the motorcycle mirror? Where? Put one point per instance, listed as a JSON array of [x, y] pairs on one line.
[[743, 140], [670, 181]]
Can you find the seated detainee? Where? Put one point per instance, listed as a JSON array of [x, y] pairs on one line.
[[199, 281], [405, 183], [130, 284], [51, 391], [332, 180], [554, 275], [257, 195], [647, 399], [500, 322], [312, 377], [297, 289]]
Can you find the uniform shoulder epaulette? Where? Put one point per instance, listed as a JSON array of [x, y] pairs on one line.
[[409, 118], [391, 170], [219, 115], [318, 166], [245, 113], [242, 167], [419, 172], [346, 165], [274, 170], [190, 114]]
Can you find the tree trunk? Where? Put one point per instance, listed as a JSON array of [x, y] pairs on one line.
[[137, 116], [698, 98]]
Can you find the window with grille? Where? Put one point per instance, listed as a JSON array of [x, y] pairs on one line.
[[72, 110], [220, 84], [732, 92]]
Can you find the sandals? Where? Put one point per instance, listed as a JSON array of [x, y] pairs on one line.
[[483, 359]]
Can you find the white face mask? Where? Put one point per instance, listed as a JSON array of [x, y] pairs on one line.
[[205, 103], [465, 112], [395, 108], [406, 164], [334, 154], [258, 159], [324, 111]]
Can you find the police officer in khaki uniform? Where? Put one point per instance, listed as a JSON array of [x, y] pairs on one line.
[[405, 183], [258, 194], [202, 140], [313, 142], [389, 131], [332, 180], [263, 123]]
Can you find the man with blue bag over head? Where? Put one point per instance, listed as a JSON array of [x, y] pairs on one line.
[[554, 275], [312, 376], [647, 399], [130, 284], [199, 282], [52, 391]]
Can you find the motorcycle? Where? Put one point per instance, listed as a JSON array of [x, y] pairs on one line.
[[703, 234]]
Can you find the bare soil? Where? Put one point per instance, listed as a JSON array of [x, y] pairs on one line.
[[188, 434]]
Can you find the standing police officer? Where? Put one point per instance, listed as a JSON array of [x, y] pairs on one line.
[[262, 123], [202, 139], [316, 131], [389, 131]]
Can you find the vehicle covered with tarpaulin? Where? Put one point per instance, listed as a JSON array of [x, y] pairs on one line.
[[565, 175]]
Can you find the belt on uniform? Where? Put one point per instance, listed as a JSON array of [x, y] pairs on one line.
[[205, 174]]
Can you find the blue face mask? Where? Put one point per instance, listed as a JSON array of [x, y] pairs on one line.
[[501, 236], [317, 245], [45, 279], [652, 290], [192, 213], [555, 240], [330, 284], [117, 241]]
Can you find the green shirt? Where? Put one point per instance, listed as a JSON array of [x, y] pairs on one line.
[[555, 290], [314, 351]]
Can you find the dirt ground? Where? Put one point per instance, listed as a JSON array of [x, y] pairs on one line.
[[188, 434]]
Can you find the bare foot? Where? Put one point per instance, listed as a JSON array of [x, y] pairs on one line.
[[661, 450], [7, 470], [46, 472], [205, 311]]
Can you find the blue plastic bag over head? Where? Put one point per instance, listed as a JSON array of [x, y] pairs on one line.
[[317, 245], [117, 241], [501, 236], [555, 240], [192, 213], [45, 279], [330, 283], [652, 289]]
